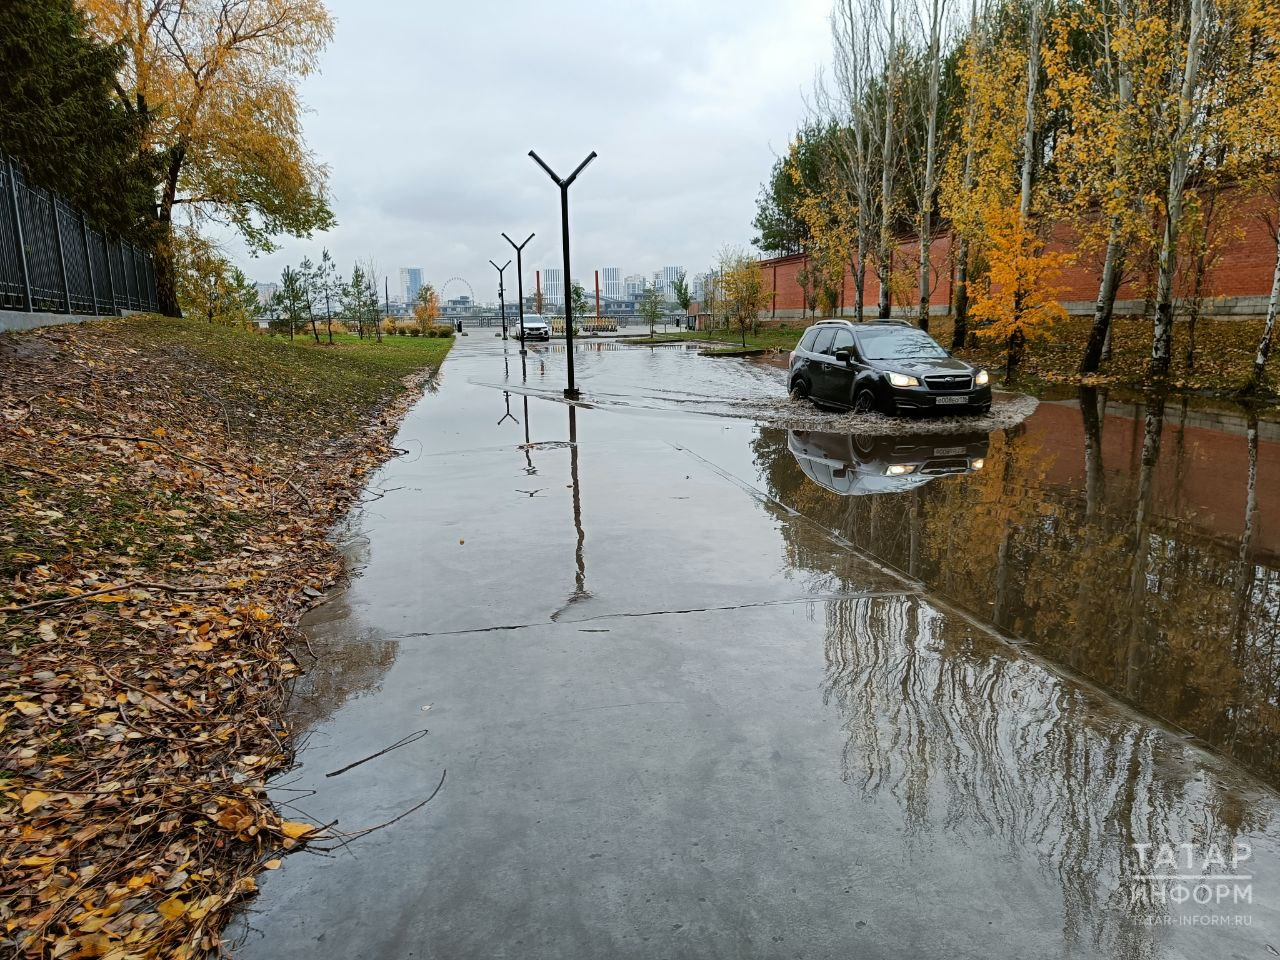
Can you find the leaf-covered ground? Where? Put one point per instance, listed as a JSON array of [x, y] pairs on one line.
[[165, 492]]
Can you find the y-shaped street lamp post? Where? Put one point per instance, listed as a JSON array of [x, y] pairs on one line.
[[570, 392], [502, 303], [519, 283]]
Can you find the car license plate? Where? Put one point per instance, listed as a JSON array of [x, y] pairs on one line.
[[941, 401], [947, 451]]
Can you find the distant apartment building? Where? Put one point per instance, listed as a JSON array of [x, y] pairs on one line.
[[612, 283], [666, 278], [266, 291], [633, 286], [410, 283], [552, 285]]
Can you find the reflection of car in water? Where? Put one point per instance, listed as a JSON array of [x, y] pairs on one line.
[[853, 464]]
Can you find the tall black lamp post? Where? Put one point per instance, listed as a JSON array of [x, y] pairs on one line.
[[519, 282], [502, 303], [571, 391]]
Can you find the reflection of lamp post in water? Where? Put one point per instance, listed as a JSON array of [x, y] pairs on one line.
[[580, 591], [530, 469], [506, 395], [580, 581]]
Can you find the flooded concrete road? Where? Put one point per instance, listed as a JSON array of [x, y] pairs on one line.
[[704, 688]]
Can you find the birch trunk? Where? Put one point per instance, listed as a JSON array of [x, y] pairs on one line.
[[1095, 350], [931, 139], [1162, 334], [1017, 339], [960, 326], [1269, 328], [887, 153]]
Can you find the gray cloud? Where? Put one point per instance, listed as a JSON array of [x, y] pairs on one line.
[[424, 114]]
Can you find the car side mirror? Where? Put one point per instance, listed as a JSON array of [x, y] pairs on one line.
[[843, 356]]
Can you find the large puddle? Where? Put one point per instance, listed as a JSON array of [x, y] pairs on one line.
[[1140, 551], [709, 687]]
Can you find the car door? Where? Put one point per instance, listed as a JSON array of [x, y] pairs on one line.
[[839, 375], [816, 364]]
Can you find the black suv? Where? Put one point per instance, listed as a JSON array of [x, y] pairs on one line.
[[885, 365]]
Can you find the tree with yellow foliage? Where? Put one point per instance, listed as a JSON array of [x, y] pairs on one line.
[[988, 189], [1103, 156], [742, 286], [210, 288], [1018, 298], [1259, 112], [427, 310], [830, 220], [213, 85]]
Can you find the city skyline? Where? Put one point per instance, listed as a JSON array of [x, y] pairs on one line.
[[612, 284]]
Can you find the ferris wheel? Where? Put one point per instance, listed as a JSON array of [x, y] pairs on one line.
[[456, 282]]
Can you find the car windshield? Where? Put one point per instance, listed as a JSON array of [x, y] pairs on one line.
[[898, 343], [533, 318]]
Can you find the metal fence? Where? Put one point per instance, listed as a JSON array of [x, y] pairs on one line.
[[52, 260]]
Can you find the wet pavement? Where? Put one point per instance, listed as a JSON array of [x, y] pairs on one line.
[[705, 688]]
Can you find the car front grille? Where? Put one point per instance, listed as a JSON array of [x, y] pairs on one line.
[[945, 466], [950, 381]]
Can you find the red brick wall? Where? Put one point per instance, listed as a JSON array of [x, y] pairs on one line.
[[1243, 268]]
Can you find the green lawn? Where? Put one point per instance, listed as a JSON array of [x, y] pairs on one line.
[[274, 388], [783, 338]]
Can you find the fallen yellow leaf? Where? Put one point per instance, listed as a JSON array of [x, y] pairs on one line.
[[272, 864], [33, 799], [202, 646], [293, 830], [172, 908]]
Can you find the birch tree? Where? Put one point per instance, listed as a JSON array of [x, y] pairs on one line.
[[966, 151], [927, 105], [1179, 158], [855, 73], [1257, 111], [1102, 155], [886, 34]]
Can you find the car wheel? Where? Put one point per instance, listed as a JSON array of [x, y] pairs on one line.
[[799, 389], [864, 402]]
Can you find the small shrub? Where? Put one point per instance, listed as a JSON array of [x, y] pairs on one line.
[[415, 332]]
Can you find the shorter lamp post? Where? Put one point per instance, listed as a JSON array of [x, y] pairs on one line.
[[571, 391], [519, 282], [502, 303]]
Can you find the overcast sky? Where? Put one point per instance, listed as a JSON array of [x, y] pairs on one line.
[[425, 113]]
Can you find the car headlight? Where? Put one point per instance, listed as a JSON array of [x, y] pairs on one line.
[[982, 379], [978, 464], [900, 469], [902, 380]]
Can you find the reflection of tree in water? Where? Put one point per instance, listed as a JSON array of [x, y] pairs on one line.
[[1109, 580], [967, 737], [344, 665]]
